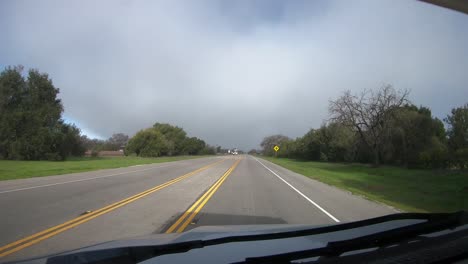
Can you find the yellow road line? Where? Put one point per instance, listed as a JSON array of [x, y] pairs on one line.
[[200, 203], [35, 238], [172, 228]]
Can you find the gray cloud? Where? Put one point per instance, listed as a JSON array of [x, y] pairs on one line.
[[233, 72]]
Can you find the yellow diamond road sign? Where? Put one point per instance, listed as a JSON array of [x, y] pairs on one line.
[[276, 148]]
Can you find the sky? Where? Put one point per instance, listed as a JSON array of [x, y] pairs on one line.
[[233, 72]]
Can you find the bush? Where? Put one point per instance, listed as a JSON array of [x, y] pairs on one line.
[[94, 153], [461, 158], [323, 157], [434, 157], [53, 157], [208, 151]]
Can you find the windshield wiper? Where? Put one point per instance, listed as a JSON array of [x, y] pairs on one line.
[[434, 222]]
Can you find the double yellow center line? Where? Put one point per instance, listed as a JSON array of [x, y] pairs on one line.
[[36, 238], [188, 216]]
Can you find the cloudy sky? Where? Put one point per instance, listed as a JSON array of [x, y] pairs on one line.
[[232, 72]]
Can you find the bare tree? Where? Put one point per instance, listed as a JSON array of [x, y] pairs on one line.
[[118, 140], [369, 114]]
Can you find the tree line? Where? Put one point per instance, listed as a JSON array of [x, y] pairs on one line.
[[117, 141], [381, 127], [32, 127], [158, 140], [166, 140]]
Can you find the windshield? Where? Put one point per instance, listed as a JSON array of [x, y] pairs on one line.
[[122, 119]]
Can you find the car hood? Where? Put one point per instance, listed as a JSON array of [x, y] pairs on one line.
[[224, 252]]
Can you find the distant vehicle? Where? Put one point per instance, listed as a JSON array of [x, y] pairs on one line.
[[233, 151], [397, 238]]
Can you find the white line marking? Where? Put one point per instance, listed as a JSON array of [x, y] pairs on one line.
[[87, 179], [299, 192]]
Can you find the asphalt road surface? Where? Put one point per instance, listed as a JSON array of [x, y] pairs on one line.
[[46, 215]]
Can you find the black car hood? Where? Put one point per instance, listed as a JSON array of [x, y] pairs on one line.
[[225, 252]]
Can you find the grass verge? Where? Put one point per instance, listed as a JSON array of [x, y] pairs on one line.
[[407, 190], [12, 169]]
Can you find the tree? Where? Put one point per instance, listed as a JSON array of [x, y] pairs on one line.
[[415, 139], [208, 150], [369, 114], [30, 118], [309, 146], [337, 142], [12, 90], [166, 140], [147, 143], [458, 136], [288, 149], [116, 141], [68, 142], [174, 135], [253, 152], [92, 144], [193, 146], [269, 142]]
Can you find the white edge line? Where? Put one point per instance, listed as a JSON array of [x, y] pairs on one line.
[[87, 179], [299, 192]]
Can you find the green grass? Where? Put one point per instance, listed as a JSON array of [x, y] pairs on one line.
[[12, 169], [407, 190]]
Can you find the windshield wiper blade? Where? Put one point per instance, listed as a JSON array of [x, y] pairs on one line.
[[434, 223]]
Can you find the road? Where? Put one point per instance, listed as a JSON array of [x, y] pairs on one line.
[[53, 214]]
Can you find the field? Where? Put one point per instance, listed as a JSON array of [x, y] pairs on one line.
[[12, 169], [407, 190]]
